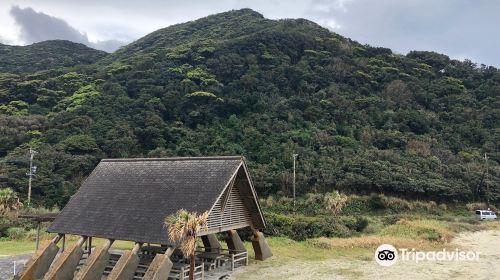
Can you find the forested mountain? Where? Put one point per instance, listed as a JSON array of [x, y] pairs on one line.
[[362, 119], [46, 55]]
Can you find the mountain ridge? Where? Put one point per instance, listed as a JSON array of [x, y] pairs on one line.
[[45, 55], [362, 118]]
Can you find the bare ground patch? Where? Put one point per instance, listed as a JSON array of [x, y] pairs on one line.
[[363, 267]]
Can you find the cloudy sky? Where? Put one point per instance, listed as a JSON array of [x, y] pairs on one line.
[[458, 28]]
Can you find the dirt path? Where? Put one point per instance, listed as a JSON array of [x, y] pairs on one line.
[[485, 242]]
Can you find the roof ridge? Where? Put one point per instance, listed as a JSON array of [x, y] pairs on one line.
[[173, 158]]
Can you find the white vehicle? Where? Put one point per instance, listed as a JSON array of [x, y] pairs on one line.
[[486, 214]]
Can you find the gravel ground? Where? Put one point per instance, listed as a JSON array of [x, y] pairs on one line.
[[7, 265]]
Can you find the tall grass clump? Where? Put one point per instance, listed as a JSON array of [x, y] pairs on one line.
[[334, 202], [480, 206]]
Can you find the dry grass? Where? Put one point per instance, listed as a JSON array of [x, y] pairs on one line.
[[423, 234], [431, 230], [493, 225], [479, 205], [371, 242]]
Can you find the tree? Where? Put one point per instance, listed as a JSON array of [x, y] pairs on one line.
[[351, 110], [79, 144], [183, 228], [9, 202]]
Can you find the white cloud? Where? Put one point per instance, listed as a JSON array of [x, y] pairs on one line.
[[37, 26], [330, 24]]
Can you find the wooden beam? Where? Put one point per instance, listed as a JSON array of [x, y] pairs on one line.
[[40, 262], [224, 228], [127, 264], [65, 266], [94, 267], [160, 267]]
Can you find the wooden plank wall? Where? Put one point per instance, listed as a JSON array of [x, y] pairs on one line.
[[235, 213]]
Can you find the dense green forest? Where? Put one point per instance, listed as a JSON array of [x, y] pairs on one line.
[[46, 55], [362, 119]]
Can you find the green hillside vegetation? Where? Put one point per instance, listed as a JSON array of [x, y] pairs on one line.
[[46, 55], [362, 119]]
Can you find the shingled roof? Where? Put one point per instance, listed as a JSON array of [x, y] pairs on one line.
[[128, 199]]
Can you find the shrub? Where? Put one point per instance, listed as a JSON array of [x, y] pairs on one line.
[[40, 210], [31, 234], [302, 227], [279, 225], [443, 207], [425, 206], [9, 202], [4, 226], [356, 205], [429, 230], [354, 223], [334, 202], [79, 144], [390, 219], [376, 202], [16, 233], [479, 205], [396, 204], [267, 202], [459, 227], [429, 234], [337, 230], [361, 224], [314, 198]]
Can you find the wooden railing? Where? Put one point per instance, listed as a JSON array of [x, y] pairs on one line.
[[181, 271], [233, 256]]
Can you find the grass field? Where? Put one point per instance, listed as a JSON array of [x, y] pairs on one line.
[[348, 258], [412, 233], [352, 258], [17, 247]]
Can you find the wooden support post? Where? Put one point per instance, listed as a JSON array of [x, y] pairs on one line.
[[65, 266], [40, 261], [260, 246], [126, 265], [232, 262], [211, 243], [37, 235], [64, 242], [234, 242], [90, 245], [160, 267], [94, 267]]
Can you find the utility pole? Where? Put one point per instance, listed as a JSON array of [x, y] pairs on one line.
[[31, 173], [294, 159], [486, 181]]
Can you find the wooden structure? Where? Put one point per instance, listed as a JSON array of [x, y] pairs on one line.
[[128, 199], [38, 218]]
